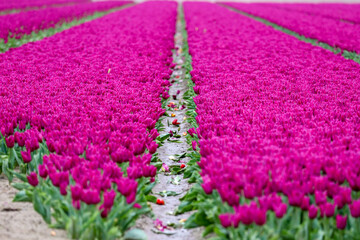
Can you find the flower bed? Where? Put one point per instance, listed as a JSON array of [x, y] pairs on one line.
[[17, 24], [346, 12], [279, 131], [23, 4], [83, 126], [334, 32]]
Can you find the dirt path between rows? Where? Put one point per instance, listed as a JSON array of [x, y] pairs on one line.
[[167, 153]]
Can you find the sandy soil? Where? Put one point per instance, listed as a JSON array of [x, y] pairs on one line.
[[19, 220]]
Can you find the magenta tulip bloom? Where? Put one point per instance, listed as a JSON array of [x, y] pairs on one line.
[[76, 192], [109, 198], [63, 187], [280, 210], [329, 210], [43, 172], [33, 179], [20, 139], [313, 212], [152, 147], [225, 220], [193, 145], [341, 222], [260, 217], [355, 209], [26, 156], [10, 141]]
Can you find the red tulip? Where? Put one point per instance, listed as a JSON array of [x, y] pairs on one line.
[[175, 122], [160, 201]]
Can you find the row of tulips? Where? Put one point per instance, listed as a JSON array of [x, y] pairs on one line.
[[24, 4], [339, 11], [83, 128], [279, 131], [335, 32], [18, 24]]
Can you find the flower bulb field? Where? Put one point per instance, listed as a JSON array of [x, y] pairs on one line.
[[179, 120]]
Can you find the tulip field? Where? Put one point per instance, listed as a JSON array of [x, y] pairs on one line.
[[180, 120]]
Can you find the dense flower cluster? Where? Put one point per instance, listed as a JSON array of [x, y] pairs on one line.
[[20, 4], [277, 118], [334, 32], [346, 12], [18, 24], [93, 93]]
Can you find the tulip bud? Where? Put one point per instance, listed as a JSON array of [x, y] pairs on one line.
[[191, 131], [260, 217], [355, 209], [313, 211], [153, 134], [225, 220], [196, 89], [131, 197], [51, 146], [22, 125], [20, 139], [109, 198], [341, 222], [295, 198], [91, 196], [152, 147], [280, 210], [320, 198], [329, 210], [207, 187], [249, 191], [104, 212], [76, 192], [121, 155], [63, 187], [43, 171], [76, 204], [55, 178], [26, 156], [305, 203], [10, 141], [9, 129], [246, 215], [193, 144], [165, 95], [33, 179]]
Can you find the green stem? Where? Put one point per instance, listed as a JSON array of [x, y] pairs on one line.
[[326, 228]]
